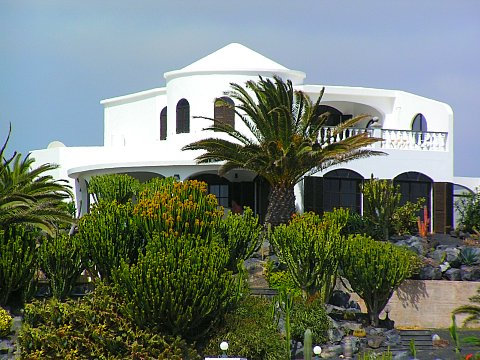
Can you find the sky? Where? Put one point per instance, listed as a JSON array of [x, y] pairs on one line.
[[59, 58]]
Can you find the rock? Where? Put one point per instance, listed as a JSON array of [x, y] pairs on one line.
[[453, 274], [430, 272], [438, 255], [354, 305], [376, 331], [375, 341], [393, 338], [340, 298], [331, 351], [351, 325], [453, 254], [417, 247], [353, 342], [256, 277], [402, 355], [470, 273], [444, 267], [335, 334]]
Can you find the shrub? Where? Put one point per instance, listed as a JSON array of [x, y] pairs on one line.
[[179, 286], [405, 217], [468, 206], [250, 332], [109, 234], [241, 236], [311, 247], [92, 328], [469, 256], [17, 261], [60, 259], [310, 314], [113, 187], [375, 269], [5, 323], [380, 199], [177, 208]]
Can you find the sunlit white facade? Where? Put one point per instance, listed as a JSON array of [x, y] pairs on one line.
[[145, 131]]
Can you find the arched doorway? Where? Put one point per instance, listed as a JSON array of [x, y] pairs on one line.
[[413, 186]]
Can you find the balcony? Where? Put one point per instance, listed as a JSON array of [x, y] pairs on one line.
[[394, 139]]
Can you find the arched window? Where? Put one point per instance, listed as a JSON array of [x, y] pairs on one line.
[[218, 186], [341, 189], [163, 124], [335, 116], [224, 111], [183, 116], [414, 185], [419, 123]]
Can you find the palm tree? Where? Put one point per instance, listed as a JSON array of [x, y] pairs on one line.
[[284, 143], [29, 196]]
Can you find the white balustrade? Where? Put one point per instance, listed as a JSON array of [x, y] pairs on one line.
[[392, 139]]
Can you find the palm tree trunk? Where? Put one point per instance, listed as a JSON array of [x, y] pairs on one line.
[[281, 205]]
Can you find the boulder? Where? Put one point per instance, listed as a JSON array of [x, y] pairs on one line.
[[402, 355], [340, 298], [430, 272], [453, 274], [331, 351], [470, 273], [438, 255], [375, 341]]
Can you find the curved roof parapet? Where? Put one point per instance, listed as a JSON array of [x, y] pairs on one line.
[[236, 59]]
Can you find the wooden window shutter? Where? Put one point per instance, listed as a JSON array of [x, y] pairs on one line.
[[442, 207]]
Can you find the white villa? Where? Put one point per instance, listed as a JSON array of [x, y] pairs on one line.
[[145, 131]]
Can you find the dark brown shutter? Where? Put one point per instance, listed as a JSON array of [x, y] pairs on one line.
[[313, 194], [442, 207]]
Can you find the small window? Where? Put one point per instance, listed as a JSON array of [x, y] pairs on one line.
[[221, 193], [183, 116], [419, 123], [224, 111], [163, 124]]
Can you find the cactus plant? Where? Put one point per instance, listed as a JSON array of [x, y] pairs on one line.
[[179, 207], [375, 269], [311, 247], [118, 187], [423, 226], [307, 345], [17, 260], [241, 235], [107, 235], [60, 260], [381, 198], [179, 286], [5, 323]]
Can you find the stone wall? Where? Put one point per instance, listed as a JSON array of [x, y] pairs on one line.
[[427, 303]]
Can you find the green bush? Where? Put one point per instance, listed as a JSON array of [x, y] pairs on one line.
[[250, 333], [380, 199], [109, 234], [60, 259], [375, 269], [311, 247], [180, 285], [92, 328], [404, 218], [6, 322], [177, 208], [468, 206], [17, 261], [113, 187], [310, 314], [241, 236]]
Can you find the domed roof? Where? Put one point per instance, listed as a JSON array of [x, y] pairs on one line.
[[235, 58]]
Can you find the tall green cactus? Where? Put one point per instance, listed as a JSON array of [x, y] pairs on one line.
[[107, 235], [179, 286], [17, 260], [180, 207], [118, 187], [60, 259], [307, 345], [375, 269], [311, 247], [381, 198], [241, 236]]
